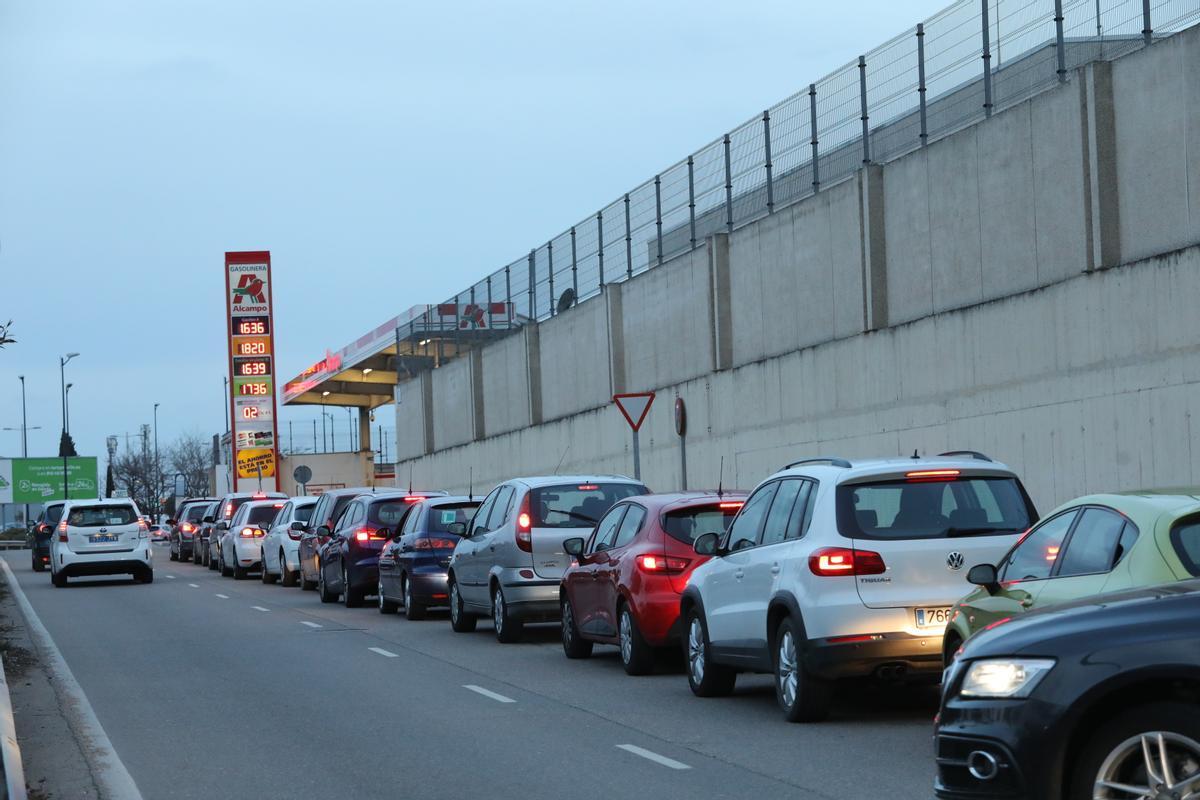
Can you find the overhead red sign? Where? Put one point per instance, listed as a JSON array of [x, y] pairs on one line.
[[634, 407]]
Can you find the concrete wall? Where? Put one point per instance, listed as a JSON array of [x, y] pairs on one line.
[[453, 420], [574, 360], [410, 419], [506, 384], [329, 470]]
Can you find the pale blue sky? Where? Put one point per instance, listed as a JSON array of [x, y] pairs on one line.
[[386, 153]]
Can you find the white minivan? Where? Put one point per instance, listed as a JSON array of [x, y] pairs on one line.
[[101, 537]]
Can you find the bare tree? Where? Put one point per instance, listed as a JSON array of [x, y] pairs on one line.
[[190, 458], [5, 334], [134, 472]]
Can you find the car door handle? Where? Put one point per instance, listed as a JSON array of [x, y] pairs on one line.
[[737, 576], [1027, 602], [775, 569]]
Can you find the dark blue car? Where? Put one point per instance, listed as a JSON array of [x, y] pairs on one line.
[[412, 566]]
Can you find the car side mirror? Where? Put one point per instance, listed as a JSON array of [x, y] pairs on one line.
[[297, 525], [384, 533], [574, 546], [171, 522], [984, 575], [707, 544], [457, 528], [222, 525]]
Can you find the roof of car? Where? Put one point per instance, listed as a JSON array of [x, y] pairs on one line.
[[555, 480], [353, 490], [841, 470], [673, 500], [101, 501], [446, 499], [1148, 502]]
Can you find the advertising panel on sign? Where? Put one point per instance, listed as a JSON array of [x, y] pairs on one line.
[[251, 369], [40, 480]]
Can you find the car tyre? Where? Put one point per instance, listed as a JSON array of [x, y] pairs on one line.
[[1117, 752], [145, 576], [413, 610], [323, 590], [706, 678], [58, 579], [385, 606], [574, 645], [460, 620], [351, 597], [636, 655], [287, 577], [267, 577], [38, 565], [174, 556], [508, 629], [225, 570], [240, 573], [213, 564], [802, 696]]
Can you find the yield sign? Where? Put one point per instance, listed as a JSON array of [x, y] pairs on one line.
[[634, 407]]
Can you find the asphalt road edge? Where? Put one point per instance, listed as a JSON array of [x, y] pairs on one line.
[[108, 771]]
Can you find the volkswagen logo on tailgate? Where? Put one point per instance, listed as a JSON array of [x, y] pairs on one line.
[[955, 560]]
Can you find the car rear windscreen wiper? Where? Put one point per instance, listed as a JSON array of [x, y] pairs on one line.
[[953, 532]]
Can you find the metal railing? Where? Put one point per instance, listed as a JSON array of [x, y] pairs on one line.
[[957, 67]]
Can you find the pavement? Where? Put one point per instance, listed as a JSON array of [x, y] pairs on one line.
[[209, 687]]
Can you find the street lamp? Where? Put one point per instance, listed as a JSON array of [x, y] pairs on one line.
[[62, 375], [24, 436], [68, 406], [157, 469]]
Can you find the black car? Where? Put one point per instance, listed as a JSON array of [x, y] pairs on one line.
[[349, 560], [39, 535], [317, 531], [1095, 699], [186, 525], [413, 565], [200, 545]]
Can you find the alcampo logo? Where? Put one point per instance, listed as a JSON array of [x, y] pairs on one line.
[[250, 288]]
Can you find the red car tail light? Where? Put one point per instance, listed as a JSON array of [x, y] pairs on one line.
[[187, 527], [731, 504], [525, 527], [294, 535], [414, 498], [434, 544], [250, 533], [663, 565], [932, 475], [62, 530], [830, 561], [143, 526], [366, 534]]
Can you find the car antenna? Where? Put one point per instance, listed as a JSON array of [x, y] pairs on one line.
[[410, 468], [471, 483], [915, 456], [560, 458], [721, 479]]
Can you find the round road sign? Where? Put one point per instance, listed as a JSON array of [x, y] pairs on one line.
[[302, 474]]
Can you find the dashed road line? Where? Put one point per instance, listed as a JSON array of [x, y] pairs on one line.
[[499, 698], [652, 756], [260, 608], [194, 585], [172, 577], [311, 624], [223, 596], [382, 652]]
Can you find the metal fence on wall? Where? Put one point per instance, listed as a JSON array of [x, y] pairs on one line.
[[961, 65]]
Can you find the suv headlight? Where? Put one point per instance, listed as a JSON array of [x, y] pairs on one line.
[[1004, 677]]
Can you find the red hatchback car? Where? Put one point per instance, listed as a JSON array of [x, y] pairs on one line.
[[625, 585]]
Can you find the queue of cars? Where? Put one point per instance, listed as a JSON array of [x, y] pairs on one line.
[[828, 570]]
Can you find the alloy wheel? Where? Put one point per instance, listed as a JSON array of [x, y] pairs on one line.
[[1153, 764], [379, 593], [787, 674], [498, 611], [568, 623], [407, 594], [696, 651], [454, 602], [626, 633]]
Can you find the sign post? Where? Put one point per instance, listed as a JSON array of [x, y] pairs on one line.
[[681, 429], [252, 369], [634, 407]]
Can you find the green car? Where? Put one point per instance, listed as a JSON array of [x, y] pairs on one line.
[[1092, 545]]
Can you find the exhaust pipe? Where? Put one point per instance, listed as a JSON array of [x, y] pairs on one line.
[[892, 672]]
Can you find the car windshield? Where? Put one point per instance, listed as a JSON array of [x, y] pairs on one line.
[[304, 513], [442, 517], [261, 515], [97, 516], [54, 514], [577, 505], [194, 513], [932, 509], [686, 524], [388, 512]]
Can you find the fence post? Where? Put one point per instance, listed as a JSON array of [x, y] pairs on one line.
[[692, 200], [628, 241], [474, 329], [658, 213], [574, 265], [550, 264], [457, 322], [512, 312], [490, 320], [728, 188], [921, 81], [987, 61], [600, 239], [1147, 30], [812, 124], [1058, 42], [767, 153], [862, 101], [532, 284]]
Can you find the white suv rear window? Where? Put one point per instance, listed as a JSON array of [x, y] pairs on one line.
[[931, 509], [98, 516]]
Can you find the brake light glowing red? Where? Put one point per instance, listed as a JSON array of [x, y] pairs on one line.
[[829, 561], [366, 534], [278, 505], [933, 475], [588, 487], [731, 504], [524, 527], [250, 533], [663, 564], [434, 544], [187, 527], [62, 530], [260, 495], [414, 498]]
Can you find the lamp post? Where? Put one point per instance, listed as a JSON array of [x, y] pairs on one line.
[[68, 406], [24, 437], [62, 374], [157, 469]]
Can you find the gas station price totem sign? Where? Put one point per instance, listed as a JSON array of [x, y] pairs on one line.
[[252, 370]]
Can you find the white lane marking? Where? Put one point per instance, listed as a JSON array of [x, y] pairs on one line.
[[499, 698], [382, 652], [260, 608], [194, 585], [311, 624], [172, 577], [110, 773], [652, 756], [223, 596]]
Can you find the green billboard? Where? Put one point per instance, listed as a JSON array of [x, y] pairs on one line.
[[39, 480]]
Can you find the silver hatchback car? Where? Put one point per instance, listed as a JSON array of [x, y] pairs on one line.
[[511, 558]]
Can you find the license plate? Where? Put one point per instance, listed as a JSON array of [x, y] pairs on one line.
[[101, 538], [932, 617]]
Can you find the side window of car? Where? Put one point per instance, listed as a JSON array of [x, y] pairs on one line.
[[630, 525], [776, 528], [410, 521], [479, 521], [320, 511], [500, 510], [802, 510], [749, 522], [1093, 544], [284, 515], [606, 529], [1034, 556], [1129, 536]]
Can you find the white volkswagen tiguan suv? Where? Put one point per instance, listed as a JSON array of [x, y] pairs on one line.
[[100, 537], [835, 569]]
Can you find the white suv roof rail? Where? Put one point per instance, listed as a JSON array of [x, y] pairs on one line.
[[832, 461], [975, 454]]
